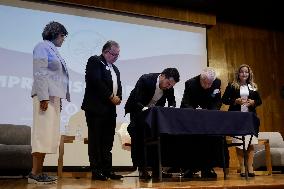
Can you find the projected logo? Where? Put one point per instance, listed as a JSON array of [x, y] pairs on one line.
[[80, 46]]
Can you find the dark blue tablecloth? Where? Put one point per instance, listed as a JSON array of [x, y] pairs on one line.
[[177, 121], [195, 138]]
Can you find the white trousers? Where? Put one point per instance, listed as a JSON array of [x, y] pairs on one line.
[[45, 136]]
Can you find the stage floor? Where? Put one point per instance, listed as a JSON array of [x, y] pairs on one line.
[[233, 181]]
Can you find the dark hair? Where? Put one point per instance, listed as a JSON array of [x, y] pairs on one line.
[[108, 45], [171, 73], [52, 30]]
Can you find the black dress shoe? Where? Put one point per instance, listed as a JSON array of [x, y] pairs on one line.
[[164, 175], [99, 176], [144, 175], [208, 173], [174, 170], [242, 174], [190, 174], [114, 176], [167, 175]]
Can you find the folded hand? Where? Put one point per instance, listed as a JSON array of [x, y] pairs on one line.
[[116, 100]]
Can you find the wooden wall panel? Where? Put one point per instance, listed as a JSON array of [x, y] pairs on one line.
[[147, 8], [231, 45]]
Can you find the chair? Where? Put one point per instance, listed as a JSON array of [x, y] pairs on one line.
[[76, 121], [276, 144], [15, 150], [263, 144], [124, 137]]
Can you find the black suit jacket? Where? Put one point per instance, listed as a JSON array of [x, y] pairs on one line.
[[194, 95], [231, 94], [144, 91], [99, 87]]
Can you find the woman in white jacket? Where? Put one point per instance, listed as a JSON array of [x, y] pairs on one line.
[[49, 87]]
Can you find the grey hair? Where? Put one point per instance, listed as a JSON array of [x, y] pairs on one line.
[[208, 73], [52, 30], [107, 46]]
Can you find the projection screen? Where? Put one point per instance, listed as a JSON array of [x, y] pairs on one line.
[[147, 46]]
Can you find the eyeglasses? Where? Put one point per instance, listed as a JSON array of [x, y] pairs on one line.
[[63, 36], [113, 54]]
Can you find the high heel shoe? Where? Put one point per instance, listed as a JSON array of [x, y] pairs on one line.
[[249, 175]]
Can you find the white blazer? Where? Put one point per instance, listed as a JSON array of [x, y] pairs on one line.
[[49, 72]]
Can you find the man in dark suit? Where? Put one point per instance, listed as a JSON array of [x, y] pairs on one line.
[[102, 94], [203, 92], [152, 89]]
